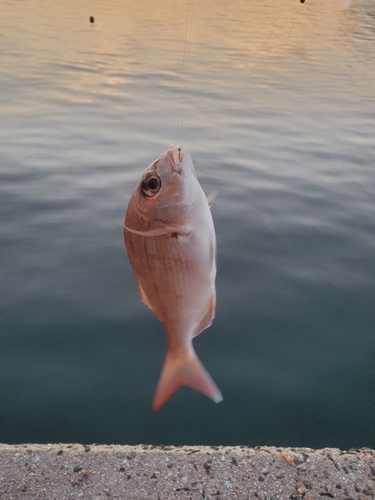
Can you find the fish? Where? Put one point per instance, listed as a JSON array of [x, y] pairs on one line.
[[171, 244]]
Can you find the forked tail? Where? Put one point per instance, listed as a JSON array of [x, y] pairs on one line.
[[184, 368]]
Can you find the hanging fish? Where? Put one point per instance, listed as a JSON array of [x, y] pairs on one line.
[[171, 244]]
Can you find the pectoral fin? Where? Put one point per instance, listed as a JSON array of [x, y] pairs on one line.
[[211, 196], [162, 231]]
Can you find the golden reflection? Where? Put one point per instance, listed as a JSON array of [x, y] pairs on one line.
[[135, 38], [345, 4]]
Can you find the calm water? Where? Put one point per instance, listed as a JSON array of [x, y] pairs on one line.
[[283, 126]]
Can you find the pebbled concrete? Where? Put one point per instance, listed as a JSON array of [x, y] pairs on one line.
[[96, 472]]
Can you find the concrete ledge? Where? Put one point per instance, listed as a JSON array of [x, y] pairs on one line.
[[59, 472]]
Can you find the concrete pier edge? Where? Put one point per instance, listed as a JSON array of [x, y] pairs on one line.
[[97, 472]]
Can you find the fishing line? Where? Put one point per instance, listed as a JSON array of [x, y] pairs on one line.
[[290, 30], [188, 28], [185, 58]]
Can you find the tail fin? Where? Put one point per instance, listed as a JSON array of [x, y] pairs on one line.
[[184, 368]]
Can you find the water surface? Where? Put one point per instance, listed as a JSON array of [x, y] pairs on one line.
[[276, 102]]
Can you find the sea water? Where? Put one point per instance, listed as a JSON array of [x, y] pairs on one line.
[[276, 102]]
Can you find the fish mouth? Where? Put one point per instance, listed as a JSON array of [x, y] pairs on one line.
[[176, 157]]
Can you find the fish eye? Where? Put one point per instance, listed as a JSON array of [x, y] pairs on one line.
[[151, 185]]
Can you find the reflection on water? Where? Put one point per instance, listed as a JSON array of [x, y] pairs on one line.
[[279, 117]]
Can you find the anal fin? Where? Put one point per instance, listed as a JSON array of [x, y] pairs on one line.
[[208, 317]]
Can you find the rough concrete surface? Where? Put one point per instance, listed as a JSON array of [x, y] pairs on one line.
[[96, 472]]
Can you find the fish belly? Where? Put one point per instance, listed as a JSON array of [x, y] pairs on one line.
[[176, 275]]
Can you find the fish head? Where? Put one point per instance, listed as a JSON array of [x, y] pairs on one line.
[[168, 187]]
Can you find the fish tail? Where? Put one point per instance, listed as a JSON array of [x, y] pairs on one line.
[[184, 368]]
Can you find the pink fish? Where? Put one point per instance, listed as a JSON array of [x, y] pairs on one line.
[[171, 244]]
